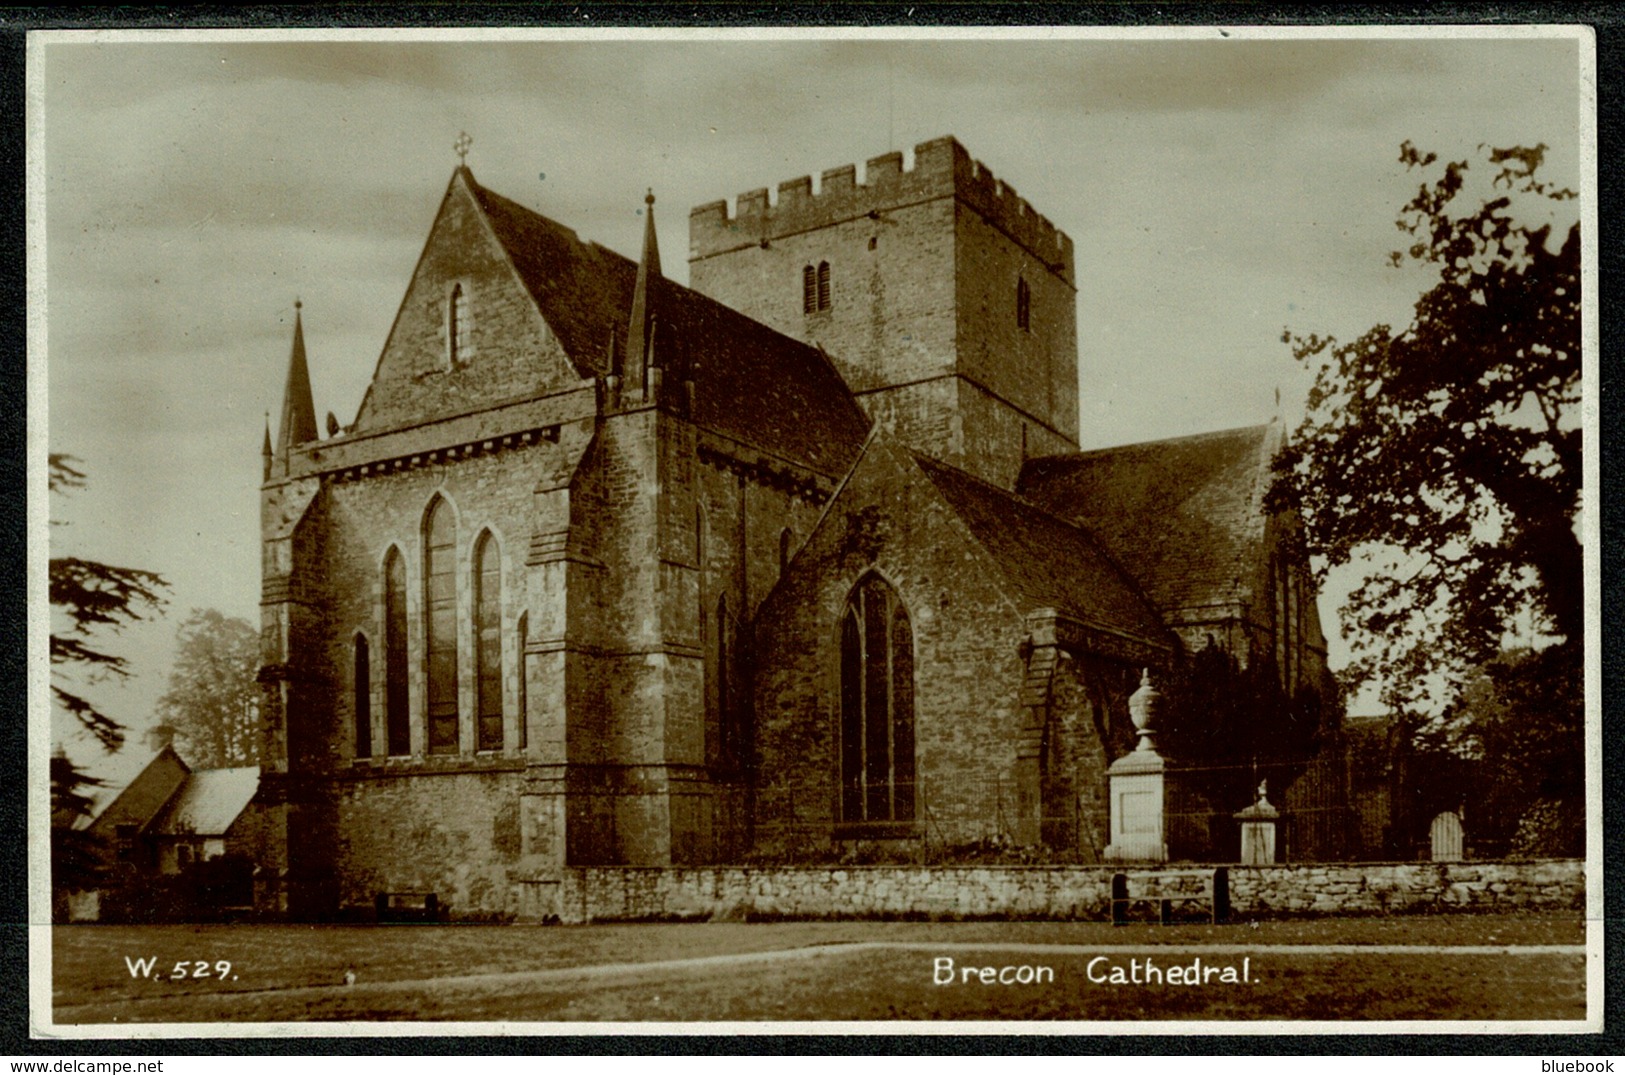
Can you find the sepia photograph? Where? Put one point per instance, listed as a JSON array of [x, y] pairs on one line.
[[908, 531]]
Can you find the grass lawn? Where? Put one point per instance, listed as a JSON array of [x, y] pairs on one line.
[[799, 971]]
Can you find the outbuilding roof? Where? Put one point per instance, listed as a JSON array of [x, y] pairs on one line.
[[208, 803]]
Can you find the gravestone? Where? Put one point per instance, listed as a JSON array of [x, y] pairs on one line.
[[1446, 836], [1258, 823]]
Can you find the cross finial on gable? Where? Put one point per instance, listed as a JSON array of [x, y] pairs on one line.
[[462, 146]]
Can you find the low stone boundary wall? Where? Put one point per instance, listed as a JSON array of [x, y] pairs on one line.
[[608, 893]]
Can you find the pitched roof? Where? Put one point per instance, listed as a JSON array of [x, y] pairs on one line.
[[208, 803], [1184, 517], [751, 383], [1048, 562]]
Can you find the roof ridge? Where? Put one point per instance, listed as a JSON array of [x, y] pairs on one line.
[[681, 291], [1085, 453], [1001, 490]]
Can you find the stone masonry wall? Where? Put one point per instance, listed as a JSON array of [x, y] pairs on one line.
[[510, 350], [1060, 891], [968, 669]]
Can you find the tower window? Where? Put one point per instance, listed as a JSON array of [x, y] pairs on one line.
[[457, 326], [363, 699], [877, 707], [440, 606], [815, 287], [1024, 302], [488, 640], [396, 717]]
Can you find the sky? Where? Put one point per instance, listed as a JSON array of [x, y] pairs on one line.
[[1217, 189]]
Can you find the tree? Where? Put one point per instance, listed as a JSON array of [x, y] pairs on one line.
[[92, 596], [1518, 733], [213, 698], [79, 860], [1453, 445]]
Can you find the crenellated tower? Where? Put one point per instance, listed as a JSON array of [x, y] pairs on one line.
[[947, 302]]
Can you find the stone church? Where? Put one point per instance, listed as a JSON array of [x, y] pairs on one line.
[[799, 561]]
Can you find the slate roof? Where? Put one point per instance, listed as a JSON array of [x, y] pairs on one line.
[[751, 383], [208, 802], [1048, 562], [1183, 517]]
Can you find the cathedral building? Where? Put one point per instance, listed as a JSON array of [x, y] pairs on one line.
[[799, 560]]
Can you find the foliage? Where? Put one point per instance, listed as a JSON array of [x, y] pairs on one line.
[[213, 698], [1242, 724], [1453, 443], [93, 596], [1518, 733], [78, 858]]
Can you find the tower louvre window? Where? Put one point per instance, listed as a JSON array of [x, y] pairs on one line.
[[815, 287], [363, 698], [1024, 301], [877, 706], [397, 718], [488, 641], [440, 608]]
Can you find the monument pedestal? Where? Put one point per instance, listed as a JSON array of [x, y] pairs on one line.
[[1138, 791], [1137, 786], [1258, 824]]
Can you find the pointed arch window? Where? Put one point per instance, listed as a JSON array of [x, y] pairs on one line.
[[488, 641], [522, 724], [1024, 303], [440, 614], [877, 707], [363, 698], [730, 716], [823, 285], [457, 326], [397, 720]]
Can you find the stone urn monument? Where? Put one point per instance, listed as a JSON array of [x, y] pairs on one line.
[[1138, 786]]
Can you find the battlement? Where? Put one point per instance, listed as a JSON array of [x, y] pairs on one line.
[[942, 168]]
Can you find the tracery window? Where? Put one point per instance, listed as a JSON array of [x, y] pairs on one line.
[[488, 641], [877, 706], [397, 719], [363, 698], [440, 614]]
